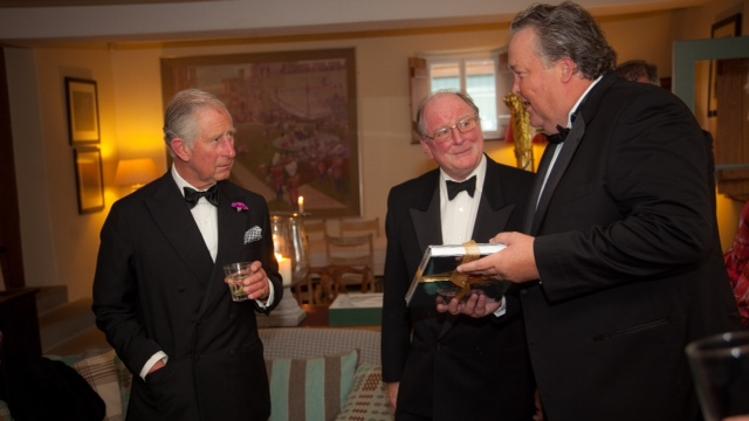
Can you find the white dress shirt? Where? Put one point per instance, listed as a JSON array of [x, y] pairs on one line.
[[458, 216]]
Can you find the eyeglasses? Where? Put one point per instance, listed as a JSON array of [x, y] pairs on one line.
[[463, 125]]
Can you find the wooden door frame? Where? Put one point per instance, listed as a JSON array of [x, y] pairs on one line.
[[11, 257]]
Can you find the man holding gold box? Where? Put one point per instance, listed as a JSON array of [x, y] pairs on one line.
[[622, 267], [441, 367]]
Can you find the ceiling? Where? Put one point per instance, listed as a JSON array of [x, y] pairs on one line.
[[55, 3], [28, 22]]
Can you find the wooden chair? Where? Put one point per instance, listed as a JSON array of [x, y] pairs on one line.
[[315, 230], [306, 291], [350, 227], [350, 261]]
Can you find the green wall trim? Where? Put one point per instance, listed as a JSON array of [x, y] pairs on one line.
[[687, 53]]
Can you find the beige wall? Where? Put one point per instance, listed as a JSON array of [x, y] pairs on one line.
[[60, 245]]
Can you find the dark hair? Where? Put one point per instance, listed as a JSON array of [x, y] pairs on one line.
[[568, 30], [420, 112], [635, 69]]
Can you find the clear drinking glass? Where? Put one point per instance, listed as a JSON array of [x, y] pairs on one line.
[[235, 273], [720, 368]]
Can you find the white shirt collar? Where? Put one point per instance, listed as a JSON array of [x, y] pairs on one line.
[[479, 172], [182, 183], [580, 100]]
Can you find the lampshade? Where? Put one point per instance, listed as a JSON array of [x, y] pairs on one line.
[[135, 172]]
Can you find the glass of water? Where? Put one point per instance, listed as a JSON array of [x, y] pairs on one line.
[[235, 274]]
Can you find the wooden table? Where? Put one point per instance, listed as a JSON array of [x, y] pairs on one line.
[[317, 316]]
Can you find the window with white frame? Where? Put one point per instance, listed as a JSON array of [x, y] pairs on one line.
[[482, 75]]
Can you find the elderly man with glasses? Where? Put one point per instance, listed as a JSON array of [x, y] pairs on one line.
[[438, 366]]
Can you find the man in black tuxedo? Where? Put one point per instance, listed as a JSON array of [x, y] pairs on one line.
[[159, 291], [441, 367], [621, 267]]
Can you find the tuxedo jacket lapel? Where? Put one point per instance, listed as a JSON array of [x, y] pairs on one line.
[[493, 212], [172, 216], [231, 225], [426, 217], [530, 209], [563, 160]]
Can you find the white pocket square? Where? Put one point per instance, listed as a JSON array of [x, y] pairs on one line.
[[253, 234]]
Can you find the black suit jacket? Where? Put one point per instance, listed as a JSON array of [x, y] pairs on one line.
[[629, 260], [157, 288], [462, 368]]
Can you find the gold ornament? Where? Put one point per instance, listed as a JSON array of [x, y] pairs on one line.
[[521, 131]]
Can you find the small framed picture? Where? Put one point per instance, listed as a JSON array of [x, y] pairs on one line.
[[83, 111], [725, 28], [88, 179]]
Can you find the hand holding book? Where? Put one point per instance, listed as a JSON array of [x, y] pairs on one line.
[[437, 273]]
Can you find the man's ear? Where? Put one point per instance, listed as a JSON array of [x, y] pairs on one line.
[[567, 69], [425, 147], [180, 148]]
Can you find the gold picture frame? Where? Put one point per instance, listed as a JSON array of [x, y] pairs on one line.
[[724, 28], [296, 118], [89, 180], [82, 103]]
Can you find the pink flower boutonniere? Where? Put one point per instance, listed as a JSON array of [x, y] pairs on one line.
[[239, 206]]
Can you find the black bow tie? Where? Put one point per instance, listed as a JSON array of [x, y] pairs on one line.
[[560, 136], [192, 196], [453, 187]]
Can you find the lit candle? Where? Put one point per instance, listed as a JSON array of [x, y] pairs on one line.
[[284, 268], [300, 202]]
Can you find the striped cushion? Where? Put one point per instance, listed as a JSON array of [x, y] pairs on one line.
[[312, 388], [100, 372]]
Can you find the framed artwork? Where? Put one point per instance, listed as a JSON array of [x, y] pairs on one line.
[[724, 28], [83, 111], [295, 116], [88, 179]]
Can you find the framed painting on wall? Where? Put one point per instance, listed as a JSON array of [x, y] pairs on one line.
[[295, 116], [83, 111], [724, 28], [89, 181]]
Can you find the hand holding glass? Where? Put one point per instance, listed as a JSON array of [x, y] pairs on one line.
[[236, 273]]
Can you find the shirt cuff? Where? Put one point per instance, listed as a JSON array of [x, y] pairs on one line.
[[159, 356], [271, 295], [502, 310]]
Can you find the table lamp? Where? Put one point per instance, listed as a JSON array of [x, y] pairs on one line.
[[135, 172]]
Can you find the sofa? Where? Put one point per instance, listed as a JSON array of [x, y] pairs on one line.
[[314, 373]]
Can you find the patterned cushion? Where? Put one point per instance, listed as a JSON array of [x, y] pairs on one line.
[[101, 373], [4, 412], [368, 400], [126, 380], [312, 388]]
